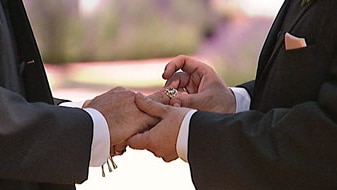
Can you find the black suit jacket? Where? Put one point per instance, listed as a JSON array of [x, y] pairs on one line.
[[42, 146], [288, 140]]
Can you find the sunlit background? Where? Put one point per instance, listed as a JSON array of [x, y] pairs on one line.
[[90, 46]]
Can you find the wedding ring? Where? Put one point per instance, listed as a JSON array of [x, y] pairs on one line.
[[171, 92]]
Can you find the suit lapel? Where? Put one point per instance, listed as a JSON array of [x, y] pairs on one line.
[[288, 28], [274, 42], [272, 36], [299, 15], [276, 36], [33, 74]]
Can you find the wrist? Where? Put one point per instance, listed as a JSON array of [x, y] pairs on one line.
[[86, 103], [182, 139], [232, 107], [100, 147], [242, 99]]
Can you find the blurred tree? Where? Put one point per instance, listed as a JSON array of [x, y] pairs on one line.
[[128, 29], [51, 21]]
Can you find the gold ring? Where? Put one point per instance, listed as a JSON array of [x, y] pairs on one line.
[[171, 92]]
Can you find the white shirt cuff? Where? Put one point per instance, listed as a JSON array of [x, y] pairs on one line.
[[242, 99], [100, 147], [242, 104], [73, 104], [182, 140]]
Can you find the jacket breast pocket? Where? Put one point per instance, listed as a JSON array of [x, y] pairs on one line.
[[298, 73], [306, 59]]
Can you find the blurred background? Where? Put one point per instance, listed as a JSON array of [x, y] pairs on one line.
[[90, 46]]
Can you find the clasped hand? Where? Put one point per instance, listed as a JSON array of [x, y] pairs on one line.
[[123, 117], [202, 89], [153, 122]]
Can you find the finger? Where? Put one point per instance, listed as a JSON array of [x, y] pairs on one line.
[[178, 80], [118, 89], [174, 65], [185, 63], [159, 97], [193, 101], [177, 63], [169, 158], [139, 141], [118, 149], [142, 142], [150, 107], [180, 99]]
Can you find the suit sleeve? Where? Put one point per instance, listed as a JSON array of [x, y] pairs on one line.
[[43, 143], [58, 101], [284, 148]]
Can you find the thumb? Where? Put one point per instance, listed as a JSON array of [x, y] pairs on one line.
[[149, 106]]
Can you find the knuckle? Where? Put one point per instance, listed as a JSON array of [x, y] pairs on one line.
[[120, 88], [183, 56]]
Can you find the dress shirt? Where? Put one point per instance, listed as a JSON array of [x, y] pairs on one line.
[[242, 99], [100, 147]]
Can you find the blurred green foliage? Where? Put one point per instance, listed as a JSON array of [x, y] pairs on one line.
[[128, 29]]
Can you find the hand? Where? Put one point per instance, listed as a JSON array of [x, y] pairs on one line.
[[122, 115], [205, 90], [119, 149], [162, 138]]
